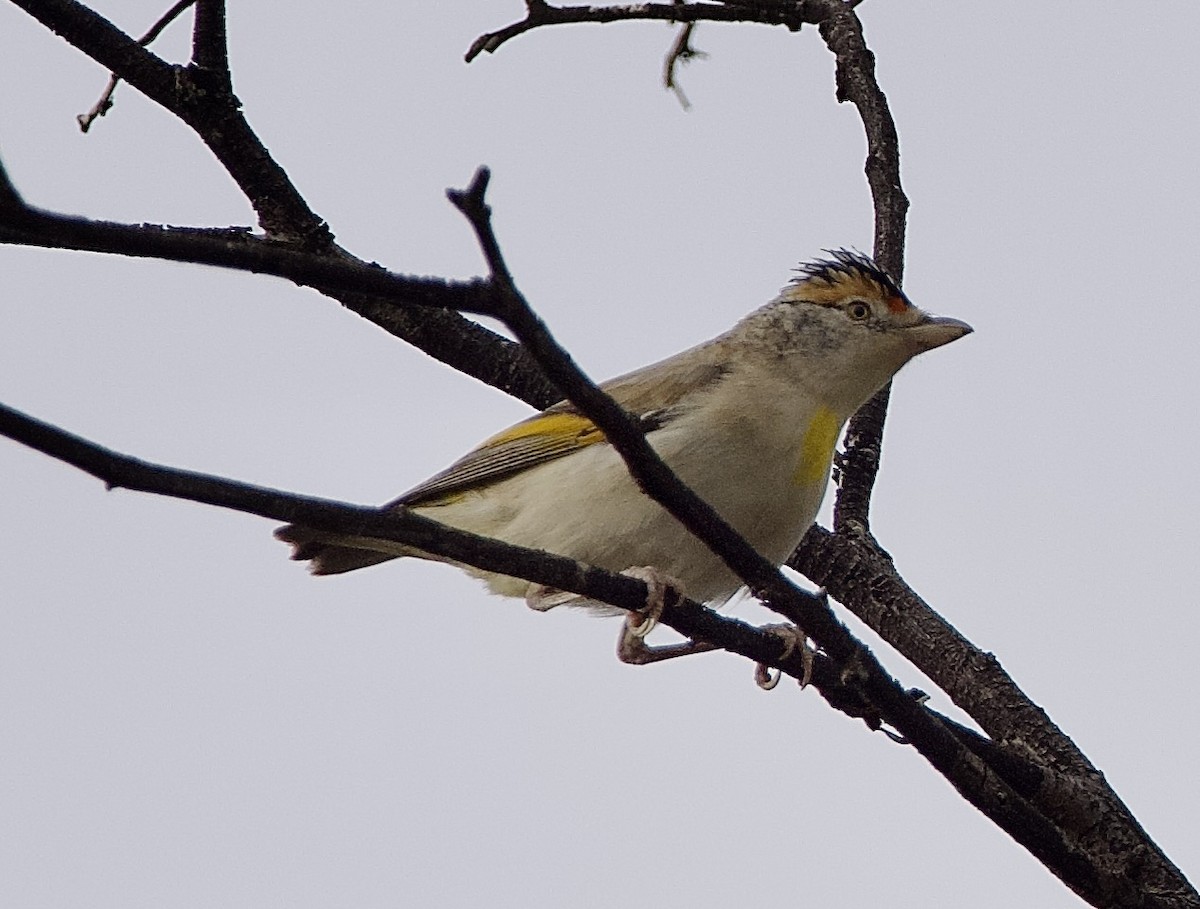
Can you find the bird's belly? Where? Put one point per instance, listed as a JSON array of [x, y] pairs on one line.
[[588, 508]]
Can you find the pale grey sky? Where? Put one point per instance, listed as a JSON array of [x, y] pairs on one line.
[[189, 720]]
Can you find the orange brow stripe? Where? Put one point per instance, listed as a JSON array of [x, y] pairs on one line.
[[897, 304]]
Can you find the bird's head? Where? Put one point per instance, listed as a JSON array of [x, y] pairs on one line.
[[846, 328]]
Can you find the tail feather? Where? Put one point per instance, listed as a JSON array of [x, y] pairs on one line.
[[333, 554]]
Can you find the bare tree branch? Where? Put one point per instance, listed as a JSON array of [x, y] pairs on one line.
[[539, 13], [1069, 789], [119, 471]]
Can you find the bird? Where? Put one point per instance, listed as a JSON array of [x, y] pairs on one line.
[[749, 420]]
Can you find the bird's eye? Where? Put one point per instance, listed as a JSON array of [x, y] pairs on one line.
[[858, 310]]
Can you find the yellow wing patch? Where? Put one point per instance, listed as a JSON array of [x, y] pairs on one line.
[[541, 438], [816, 449], [561, 426]]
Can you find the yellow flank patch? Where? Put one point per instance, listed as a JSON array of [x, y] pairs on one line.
[[816, 449], [560, 427]]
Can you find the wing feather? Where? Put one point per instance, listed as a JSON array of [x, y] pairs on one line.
[[541, 438], [561, 430]]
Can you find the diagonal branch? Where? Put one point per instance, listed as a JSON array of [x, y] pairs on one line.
[[974, 680], [1069, 788]]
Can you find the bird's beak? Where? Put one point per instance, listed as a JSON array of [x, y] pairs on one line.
[[934, 331]]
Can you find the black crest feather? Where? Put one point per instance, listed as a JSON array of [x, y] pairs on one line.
[[843, 263]]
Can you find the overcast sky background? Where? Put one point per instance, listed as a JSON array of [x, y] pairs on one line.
[[189, 720]]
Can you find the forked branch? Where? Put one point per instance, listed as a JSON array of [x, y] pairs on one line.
[[104, 105]]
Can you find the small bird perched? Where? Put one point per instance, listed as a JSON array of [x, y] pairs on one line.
[[748, 420]]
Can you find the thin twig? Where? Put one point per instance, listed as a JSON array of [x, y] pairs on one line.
[[102, 107], [681, 52]]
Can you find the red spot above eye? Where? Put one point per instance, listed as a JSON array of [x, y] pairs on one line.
[[897, 304]]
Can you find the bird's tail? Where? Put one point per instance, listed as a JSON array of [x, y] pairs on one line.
[[331, 553]]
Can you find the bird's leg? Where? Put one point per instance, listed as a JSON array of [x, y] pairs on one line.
[[767, 677], [635, 651], [631, 645]]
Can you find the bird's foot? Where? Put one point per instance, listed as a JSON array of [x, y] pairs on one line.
[[631, 646], [767, 677]]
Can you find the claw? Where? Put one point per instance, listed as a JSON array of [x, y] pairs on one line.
[[767, 677], [657, 585], [631, 646]]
